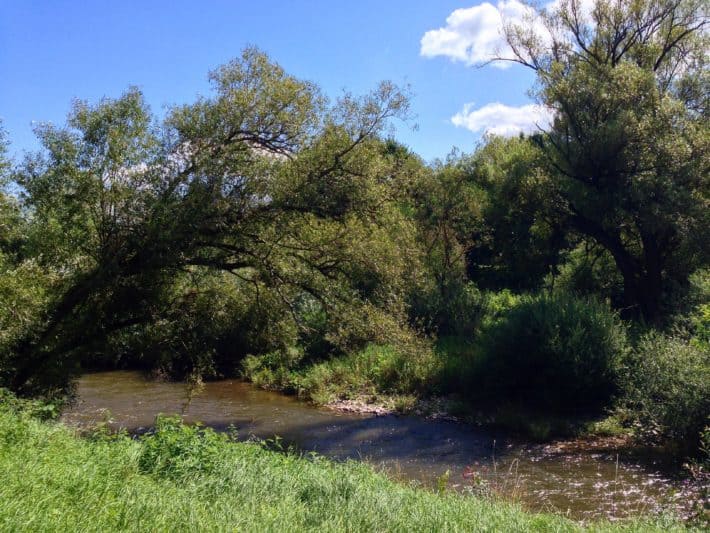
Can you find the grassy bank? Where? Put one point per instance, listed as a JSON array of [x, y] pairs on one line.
[[182, 478]]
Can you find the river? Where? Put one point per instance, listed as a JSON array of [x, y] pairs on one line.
[[580, 484]]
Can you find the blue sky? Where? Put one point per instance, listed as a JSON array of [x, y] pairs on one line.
[[54, 51]]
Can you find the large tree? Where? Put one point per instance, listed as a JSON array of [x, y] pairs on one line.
[[629, 148], [264, 180]]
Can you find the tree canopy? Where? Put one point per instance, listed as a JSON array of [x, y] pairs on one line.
[[264, 180], [266, 226], [628, 152]]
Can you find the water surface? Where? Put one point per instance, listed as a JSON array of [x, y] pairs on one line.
[[582, 485]]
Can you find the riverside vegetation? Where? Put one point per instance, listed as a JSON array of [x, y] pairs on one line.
[[268, 232]]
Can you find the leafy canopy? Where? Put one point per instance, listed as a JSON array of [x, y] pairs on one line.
[[264, 180]]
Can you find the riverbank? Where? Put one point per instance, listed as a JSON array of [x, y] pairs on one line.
[[584, 483], [183, 478], [439, 384]]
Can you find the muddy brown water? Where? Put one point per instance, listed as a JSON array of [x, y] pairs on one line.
[[582, 485]]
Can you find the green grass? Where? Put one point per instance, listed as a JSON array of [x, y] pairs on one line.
[[379, 373], [186, 479]]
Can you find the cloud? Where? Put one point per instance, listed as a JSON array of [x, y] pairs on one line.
[[500, 119], [474, 35]]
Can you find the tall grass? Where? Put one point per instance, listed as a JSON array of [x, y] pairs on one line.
[[374, 371], [188, 479]]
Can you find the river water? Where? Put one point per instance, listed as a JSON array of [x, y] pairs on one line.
[[582, 485]]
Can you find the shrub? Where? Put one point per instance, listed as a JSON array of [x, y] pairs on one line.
[[25, 290], [175, 450], [46, 407], [557, 352], [387, 368], [456, 362], [456, 310], [208, 325], [667, 388], [700, 315], [701, 327], [273, 370], [497, 304]]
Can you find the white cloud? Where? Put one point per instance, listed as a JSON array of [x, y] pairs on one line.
[[475, 34], [500, 119]]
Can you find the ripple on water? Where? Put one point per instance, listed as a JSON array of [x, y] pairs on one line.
[[580, 484]]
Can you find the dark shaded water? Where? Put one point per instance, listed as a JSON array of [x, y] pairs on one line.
[[581, 484]]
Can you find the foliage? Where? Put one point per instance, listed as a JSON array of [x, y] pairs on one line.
[[177, 451], [589, 270], [25, 292], [381, 369], [458, 356], [627, 152], [457, 364], [274, 370], [667, 389], [47, 407], [519, 240], [376, 371], [12, 226], [264, 180], [212, 322], [701, 327], [457, 310], [497, 304], [699, 315], [553, 351], [446, 206]]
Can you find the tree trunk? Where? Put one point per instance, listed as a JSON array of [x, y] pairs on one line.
[[642, 276]]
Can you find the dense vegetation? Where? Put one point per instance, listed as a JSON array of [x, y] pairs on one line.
[[268, 232], [185, 479]]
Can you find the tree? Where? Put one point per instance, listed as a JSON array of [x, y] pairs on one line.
[[519, 239], [265, 181], [446, 206], [10, 218], [4, 163], [629, 149]]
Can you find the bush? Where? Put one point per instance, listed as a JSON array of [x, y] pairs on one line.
[[47, 407], [557, 352], [274, 370], [25, 290], [208, 324], [456, 359], [177, 451], [497, 304], [667, 388], [699, 295], [458, 310]]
